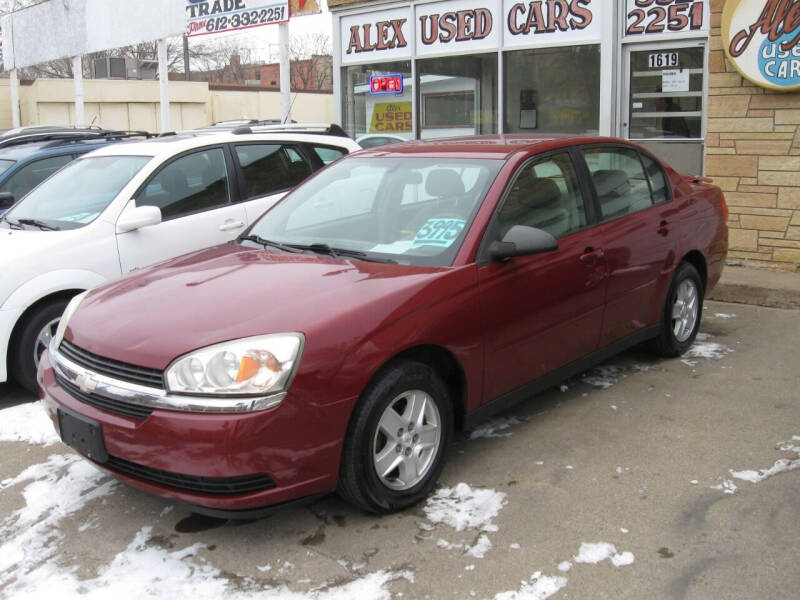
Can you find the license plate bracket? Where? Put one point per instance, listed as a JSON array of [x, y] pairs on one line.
[[82, 434]]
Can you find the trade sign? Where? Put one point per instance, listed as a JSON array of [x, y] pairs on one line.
[[386, 84], [204, 17], [760, 37]]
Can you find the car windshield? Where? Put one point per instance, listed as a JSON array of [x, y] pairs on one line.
[[78, 193], [407, 210], [5, 165]]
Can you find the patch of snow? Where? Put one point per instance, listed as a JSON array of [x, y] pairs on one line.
[[27, 423], [724, 315], [570, 467], [146, 571], [264, 568], [480, 548], [603, 376], [538, 587], [514, 546], [694, 482], [623, 530], [702, 348], [563, 387], [595, 552], [564, 566], [782, 465], [491, 428], [469, 568], [726, 486], [58, 488], [463, 507], [539, 462], [442, 543], [689, 363], [623, 559], [613, 407]]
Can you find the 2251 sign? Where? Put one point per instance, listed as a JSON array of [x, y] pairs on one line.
[[664, 16]]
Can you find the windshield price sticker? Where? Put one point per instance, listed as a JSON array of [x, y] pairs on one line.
[[646, 17], [439, 232], [663, 59], [217, 16]]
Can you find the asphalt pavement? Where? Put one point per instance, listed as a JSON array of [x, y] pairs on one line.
[[645, 478]]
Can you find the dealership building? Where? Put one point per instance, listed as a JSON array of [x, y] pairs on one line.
[[711, 87]]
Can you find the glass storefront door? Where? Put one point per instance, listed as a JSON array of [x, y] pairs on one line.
[[663, 104]]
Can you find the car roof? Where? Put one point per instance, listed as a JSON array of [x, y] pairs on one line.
[[169, 145], [483, 146], [51, 148]]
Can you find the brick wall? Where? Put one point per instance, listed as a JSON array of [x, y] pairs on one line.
[[753, 154]]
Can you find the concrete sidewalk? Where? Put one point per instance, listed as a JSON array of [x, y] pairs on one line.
[[747, 285]]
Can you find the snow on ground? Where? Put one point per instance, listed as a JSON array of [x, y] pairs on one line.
[[480, 548], [58, 488], [723, 316], [27, 423], [782, 465], [603, 376], [595, 552], [538, 587], [145, 571], [702, 348], [32, 559], [463, 507], [492, 427], [726, 486]]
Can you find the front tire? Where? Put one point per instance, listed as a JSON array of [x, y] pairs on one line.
[[683, 309], [396, 441], [31, 340]]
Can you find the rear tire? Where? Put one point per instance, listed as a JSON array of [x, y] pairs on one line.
[[683, 309], [31, 340], [395, 444]]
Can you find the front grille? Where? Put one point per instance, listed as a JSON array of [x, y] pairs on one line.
[[215, 486], [112, 368], [103, 403]]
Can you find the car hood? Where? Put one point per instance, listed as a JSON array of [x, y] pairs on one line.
[[16, 244], [230, 292]]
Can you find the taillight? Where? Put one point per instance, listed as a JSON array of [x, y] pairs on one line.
[[724, 206]]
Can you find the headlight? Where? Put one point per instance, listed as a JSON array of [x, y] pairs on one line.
[[66, 316], [252, 366]]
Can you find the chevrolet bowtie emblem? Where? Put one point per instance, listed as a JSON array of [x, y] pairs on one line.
[[86, 383]]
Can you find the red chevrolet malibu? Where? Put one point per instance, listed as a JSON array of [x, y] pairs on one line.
[[398, 294]]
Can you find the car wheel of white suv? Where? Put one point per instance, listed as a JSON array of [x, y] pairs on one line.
[[31, 340]]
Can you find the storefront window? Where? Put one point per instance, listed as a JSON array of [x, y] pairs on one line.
[[457, 95], [551, 90], [377, 114], [666, 99]]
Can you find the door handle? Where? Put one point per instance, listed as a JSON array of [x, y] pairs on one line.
[[592, 255], [663, 228], [230, 225]]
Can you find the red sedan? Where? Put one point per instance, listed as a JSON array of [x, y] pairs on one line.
[[399, 294]]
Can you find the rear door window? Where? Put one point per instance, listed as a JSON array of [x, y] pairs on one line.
[[270, 168], [619, 180], [328, 154], [658, 183]]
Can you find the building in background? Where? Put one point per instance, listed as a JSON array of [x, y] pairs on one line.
[[310, 74], [650, 71]]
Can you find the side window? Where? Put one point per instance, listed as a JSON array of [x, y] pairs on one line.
[[658, 183], [327, 154], [191, 183], [619, 181], [270, 168], [545, 195], [29, 176]]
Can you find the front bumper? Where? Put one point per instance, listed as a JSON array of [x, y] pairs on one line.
[[296, 444]]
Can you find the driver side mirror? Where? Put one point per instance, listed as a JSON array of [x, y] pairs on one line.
[[136, 217], [521, 240], [6, 200]]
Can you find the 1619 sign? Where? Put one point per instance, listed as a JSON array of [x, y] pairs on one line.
[[647, 17]]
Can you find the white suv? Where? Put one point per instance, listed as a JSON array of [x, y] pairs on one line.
[[130, 205]]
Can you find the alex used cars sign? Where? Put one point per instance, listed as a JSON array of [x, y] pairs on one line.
[[216, 16], [761, 38]]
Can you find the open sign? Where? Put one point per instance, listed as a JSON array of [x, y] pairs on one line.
[[386, 84]]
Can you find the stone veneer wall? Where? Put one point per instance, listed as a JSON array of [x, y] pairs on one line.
[[753, 154]]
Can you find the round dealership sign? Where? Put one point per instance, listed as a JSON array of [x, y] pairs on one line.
[[760, 37]]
